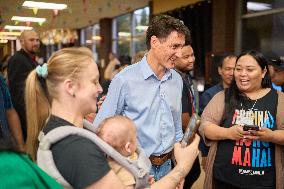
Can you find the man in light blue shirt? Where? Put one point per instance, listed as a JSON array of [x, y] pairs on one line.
[[150, 92]]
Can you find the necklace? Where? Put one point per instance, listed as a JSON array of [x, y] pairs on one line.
[[250, 109], [248, 117]]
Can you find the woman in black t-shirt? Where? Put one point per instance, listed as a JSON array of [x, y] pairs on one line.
[[62, 92], [243, 121]]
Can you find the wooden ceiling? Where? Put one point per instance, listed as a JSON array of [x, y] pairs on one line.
[[80, 13]]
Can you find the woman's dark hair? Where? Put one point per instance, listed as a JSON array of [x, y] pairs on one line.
[[233, 94]]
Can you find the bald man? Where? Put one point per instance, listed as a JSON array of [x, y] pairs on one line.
[[19, 67]]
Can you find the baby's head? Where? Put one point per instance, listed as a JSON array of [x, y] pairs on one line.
[[120, 133]]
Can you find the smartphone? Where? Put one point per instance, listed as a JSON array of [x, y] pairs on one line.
[[251, 127], [191, 130]]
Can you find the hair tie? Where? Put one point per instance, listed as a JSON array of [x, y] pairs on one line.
[[42, 71]]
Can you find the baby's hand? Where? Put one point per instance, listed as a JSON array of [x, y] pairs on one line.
[[151, 179]]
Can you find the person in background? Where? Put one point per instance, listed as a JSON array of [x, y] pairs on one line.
[[249, 158], [138, 56], [125, 61], [110, 71], [190, 98], [276, 70], [19, 67], [9, 119], [62, 92], [150, 92], [111, 67], [18, 171], [226, 71]]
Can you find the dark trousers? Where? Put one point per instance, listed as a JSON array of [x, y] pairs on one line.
[[193, 174]]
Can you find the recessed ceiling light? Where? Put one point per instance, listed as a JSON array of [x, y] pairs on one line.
[[142, 28], [28, 19], [123, 34], [89, 41], [9, 27], [96, 37], [43, 5]]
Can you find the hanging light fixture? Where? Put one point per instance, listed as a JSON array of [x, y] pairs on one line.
[[9, 27], [43, 5], [28, 19]]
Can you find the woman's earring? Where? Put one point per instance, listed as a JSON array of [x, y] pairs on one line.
[[74, 95]]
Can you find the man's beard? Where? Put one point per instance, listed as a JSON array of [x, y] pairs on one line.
[[33, 52]]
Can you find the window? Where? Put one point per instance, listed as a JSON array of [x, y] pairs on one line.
[[263, 25], [129, 32], [90, 37], [122, 36]]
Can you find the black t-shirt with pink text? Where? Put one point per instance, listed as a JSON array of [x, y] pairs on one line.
[[246, 163]]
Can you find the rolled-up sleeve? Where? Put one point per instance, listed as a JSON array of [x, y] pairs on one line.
[[114, 102]]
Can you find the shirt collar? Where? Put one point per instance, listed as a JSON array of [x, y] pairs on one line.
[[148, 72]]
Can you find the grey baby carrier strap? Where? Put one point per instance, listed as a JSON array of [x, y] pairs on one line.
[[139, 168]]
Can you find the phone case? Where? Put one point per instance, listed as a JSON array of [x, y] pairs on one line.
[[251, 127], [191, 129]]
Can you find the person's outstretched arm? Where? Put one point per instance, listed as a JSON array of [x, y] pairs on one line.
[[185, 158]]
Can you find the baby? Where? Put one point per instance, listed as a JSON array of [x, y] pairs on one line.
[[120, 133]]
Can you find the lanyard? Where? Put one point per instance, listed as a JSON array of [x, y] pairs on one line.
[[193, 98], [192, 101]]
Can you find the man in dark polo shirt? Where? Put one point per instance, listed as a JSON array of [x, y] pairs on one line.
[[19, 67], [190, 100]]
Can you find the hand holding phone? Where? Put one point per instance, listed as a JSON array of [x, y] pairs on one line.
[[251, 127], [191, 130]]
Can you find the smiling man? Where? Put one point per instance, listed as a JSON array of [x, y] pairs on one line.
[[190, 100], [150, 92]]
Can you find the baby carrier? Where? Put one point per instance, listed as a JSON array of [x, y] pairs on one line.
[[139, 168]]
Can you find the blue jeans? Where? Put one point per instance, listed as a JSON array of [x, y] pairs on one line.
[[159, 171]]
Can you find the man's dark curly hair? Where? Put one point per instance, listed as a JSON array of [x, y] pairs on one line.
[[162, 25]]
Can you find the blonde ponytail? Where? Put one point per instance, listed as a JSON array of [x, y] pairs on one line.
[[40, 91], [37, 110]]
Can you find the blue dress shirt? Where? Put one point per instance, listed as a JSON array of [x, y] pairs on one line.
[[154, 105]]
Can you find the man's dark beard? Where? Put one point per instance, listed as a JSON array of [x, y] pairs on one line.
[[33, 52]]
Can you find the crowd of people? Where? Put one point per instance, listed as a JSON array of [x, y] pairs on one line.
[[146, 110]]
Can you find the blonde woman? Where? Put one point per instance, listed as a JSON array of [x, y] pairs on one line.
[[61, 93]]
